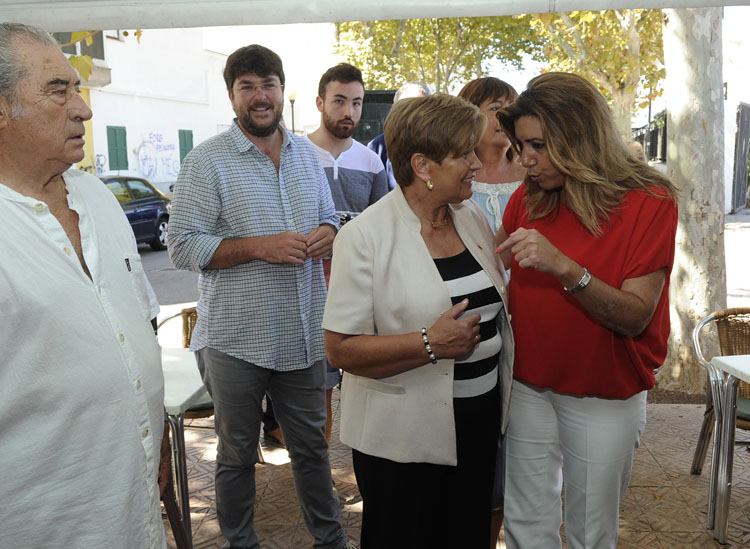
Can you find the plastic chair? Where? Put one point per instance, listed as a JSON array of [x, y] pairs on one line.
[[733, 327]]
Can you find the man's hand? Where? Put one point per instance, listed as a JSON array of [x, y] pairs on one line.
[[287, 247], [320, 241]]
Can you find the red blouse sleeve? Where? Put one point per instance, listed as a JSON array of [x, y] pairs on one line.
[[652, 243]]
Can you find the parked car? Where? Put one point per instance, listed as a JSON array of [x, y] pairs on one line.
[[145, 206]]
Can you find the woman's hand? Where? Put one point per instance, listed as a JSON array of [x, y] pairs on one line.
[[626, 310], [532, 250], [453, 337], [379, 356]]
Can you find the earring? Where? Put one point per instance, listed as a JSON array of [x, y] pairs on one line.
[[430, 186]]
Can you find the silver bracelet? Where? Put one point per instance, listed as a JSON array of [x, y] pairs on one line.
[[585, 279], [432, 356]]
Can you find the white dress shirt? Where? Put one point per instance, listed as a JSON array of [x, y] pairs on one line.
[[81, 388]]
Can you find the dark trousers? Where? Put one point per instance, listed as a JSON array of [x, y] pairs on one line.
[[433, 506], [269, 418], [237, 388]]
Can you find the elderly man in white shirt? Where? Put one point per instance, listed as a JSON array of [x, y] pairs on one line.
[[81, 388]]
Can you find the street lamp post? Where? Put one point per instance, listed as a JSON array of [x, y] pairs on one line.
[[292, 99]]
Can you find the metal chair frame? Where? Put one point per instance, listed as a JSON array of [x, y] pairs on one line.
[[731, 343], [177, 427], [177, 424]]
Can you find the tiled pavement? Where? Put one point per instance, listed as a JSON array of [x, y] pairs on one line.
[[665, 506]]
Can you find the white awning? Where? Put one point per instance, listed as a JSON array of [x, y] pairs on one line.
[[64, 15]]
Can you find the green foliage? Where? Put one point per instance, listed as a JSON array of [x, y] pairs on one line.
[[441, 52], [138, 33], [659, 120], [621, 51], [84, 64]]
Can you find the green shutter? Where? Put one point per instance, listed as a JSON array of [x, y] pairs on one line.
[[186, 143], [117, 143]]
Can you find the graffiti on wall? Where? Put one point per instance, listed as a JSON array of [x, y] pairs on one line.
[[100, 163], [158, 159]]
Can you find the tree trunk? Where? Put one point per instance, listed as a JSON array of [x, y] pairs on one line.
[[622, 110], [695, 163]]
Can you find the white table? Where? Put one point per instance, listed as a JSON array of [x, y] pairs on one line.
[[183, 388], [737, 368]]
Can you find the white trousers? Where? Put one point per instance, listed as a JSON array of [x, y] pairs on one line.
[[587, 441]]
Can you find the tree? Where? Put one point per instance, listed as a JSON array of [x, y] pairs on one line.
[[620, 51], [695, 160], [442, 52]]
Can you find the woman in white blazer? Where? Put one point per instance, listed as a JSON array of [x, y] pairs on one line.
[[417, 318]]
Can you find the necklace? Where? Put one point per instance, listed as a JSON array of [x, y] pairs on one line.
[[439, 224]]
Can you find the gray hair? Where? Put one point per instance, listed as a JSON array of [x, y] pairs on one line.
[[11, 69], [412, 89]]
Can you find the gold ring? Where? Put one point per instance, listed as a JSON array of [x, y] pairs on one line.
[[477, 338]]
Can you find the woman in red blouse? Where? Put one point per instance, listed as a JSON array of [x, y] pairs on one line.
[[591, 235]]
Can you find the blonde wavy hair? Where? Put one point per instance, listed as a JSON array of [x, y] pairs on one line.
[[583, 143]]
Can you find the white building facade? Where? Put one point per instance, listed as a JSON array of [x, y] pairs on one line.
[[155, 100]]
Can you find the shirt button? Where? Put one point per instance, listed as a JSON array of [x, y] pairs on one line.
[[99, 289], [502, 290], [39, 206], [302, 316], [145, 433], [510, 317], [138, 384], [66, 250], [122, 338]]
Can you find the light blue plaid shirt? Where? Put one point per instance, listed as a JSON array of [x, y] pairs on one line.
[[268, 314]]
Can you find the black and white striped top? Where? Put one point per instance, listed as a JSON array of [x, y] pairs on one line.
[[476, 374]]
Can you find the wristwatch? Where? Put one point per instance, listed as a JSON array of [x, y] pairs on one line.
[[585, 279]]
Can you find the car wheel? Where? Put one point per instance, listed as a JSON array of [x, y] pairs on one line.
[[160, 238]]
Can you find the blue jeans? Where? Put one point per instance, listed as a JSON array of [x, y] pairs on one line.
[[237, 388]]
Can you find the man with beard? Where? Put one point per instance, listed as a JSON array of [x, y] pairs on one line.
[[355, 173], [253, 215]]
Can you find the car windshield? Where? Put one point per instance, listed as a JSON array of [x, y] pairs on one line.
[[119, 189]]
